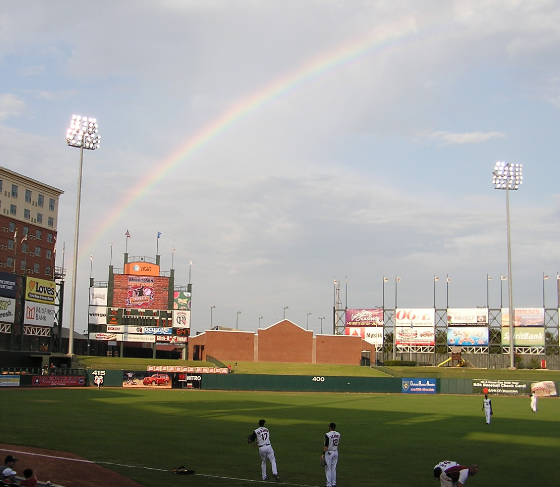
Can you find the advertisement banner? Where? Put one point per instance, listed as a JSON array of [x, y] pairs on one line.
[[106, 336], [465, 336], [40, 290], [171, 339], [418, 386], [146, 379], [98, 296], [545, 388], [497, 386], [9, 380], [524, 317], [182, 300], [371, 334], [7, 310], [7, 285], [524, 337], [138, 338], [415, 336], [154, 330], [467, 316], [140, 292], [58, 381], [141, 268], [364, 317], [97, 315], [415, 317], [181, 318], [39, 314]]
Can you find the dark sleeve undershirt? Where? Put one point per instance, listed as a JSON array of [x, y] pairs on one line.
[[326, 441]]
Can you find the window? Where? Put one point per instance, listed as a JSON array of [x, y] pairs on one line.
[[11, 244], [24, 247], [36, 268], [39, 218], [48, 254], [25, 230], [49, 237], [13, 209], [38, 251], [27, 213], [10, 262], [11, 226], [51, 202], [38, 234], [28, 196], [14, 190], [40, 200], [0, 185], [22, 265], [50, 224], [48, 270]]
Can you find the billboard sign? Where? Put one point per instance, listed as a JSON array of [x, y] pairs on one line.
[[418, 386], [415, 317], [182, 300], [467, 336], [40, 290], [497, 386], [524, 317], [371, 334], [58, 381], [157, 330], [7, 310], [171, 339], [545, 388], [141, 268], [467, 316], [416, 335], [140, 292], [7, 285], [181, 318], [364, 317], [97, 315], [98, 296], [524, 337], [39, 314]]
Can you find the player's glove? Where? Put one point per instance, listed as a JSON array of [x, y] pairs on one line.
[[323, 463]]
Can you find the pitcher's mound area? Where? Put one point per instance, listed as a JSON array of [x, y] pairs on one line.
[[63, 468]]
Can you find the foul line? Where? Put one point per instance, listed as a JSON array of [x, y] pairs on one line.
[[82, 460]]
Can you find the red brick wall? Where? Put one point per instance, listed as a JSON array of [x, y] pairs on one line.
[[160, 290], [341, 349], [285, 342], [226, 345]]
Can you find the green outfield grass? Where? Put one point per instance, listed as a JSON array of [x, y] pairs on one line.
[[387, 439], [130, 363], [288, 368]]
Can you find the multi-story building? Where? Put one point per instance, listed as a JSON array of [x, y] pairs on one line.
[[28, 223]]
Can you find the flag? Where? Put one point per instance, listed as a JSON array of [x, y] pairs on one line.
[[447, 279], [385, 279], [489, 277], [158, 234], [503, 278], [24, 238], [545, 276], [127, 234], [436, 278], [397, 279]]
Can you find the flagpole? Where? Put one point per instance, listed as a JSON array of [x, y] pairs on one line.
[[157, 245]]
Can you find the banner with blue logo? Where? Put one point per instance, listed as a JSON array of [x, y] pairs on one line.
[[418, 385]]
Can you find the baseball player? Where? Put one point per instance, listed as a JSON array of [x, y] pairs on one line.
[[262, 436], [533, 402], [330, 454], [487, 407], [451, 474]]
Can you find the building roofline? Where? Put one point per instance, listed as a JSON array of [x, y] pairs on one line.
[[34, 181]]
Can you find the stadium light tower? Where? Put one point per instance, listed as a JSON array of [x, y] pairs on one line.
[[508, 176], [82, 133]]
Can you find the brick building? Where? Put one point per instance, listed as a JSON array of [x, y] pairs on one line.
[[28, 225], [281, 342]]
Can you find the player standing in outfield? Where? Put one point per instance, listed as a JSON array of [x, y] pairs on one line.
[[330, 454], [487, 407], [533, 402], [262, 436], [451, 474]]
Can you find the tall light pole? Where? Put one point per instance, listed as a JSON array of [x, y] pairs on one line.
[[284, 311], [82, 133], [237, 320], [260, 319], [447, 281], [502, 279], [397, 280], [509, 176], [307, 320], [212, 308], [321, 318], [488, 279], [436, 279], [385, 279], [544, 278]]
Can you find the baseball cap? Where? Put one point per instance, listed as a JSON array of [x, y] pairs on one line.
[[10, 458]]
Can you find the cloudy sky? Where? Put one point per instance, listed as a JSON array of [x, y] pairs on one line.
[[282, 145]]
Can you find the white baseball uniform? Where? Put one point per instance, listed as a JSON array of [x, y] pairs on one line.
[[534, 402], [332, 439], [452, 473], [265, 450], [487, 406]]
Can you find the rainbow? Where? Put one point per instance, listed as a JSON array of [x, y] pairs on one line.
[[384, 36]]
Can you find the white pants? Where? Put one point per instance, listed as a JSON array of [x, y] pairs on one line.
[[331, 459], [534, 403], [488, 414], [266, 452], [445, 481]]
